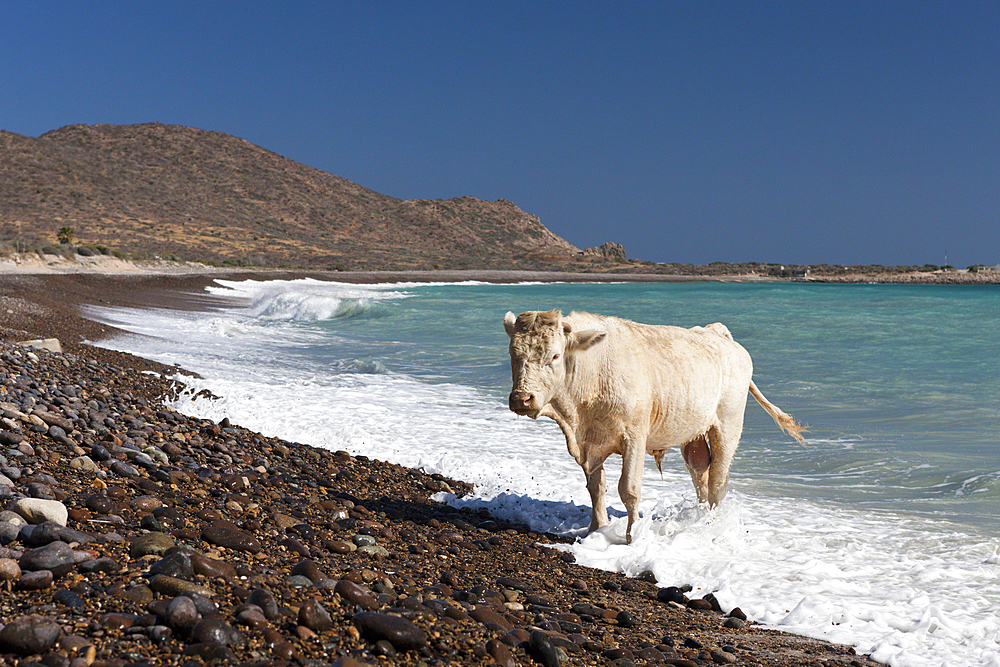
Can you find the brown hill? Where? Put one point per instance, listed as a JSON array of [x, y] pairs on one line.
[[168, 190]]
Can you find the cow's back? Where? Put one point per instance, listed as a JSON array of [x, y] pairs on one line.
[[678, 379]]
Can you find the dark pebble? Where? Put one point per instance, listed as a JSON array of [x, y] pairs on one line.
[[50, 531], [625, 619], [99, 453], [104, 564], [314, 616], [251, 616], [513, 584], [55, 556], [671, 594], [355, 594], [68, 598], [500, 653], [398, 631], [542, 650], [266, 602], [230, 538], [123, 469], [181, 612], [216, 631], [9, 438], [30, 634], [699, 605], [735, 623], [308, 569], [35, 581], [177, 564]]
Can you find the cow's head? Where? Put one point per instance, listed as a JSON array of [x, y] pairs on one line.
[[542, 346]]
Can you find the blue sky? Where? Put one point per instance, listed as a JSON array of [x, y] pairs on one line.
[[793, 132]]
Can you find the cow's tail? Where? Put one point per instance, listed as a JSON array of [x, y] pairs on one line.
[[782, 419]]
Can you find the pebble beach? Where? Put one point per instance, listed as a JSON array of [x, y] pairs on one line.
[[131, 534]]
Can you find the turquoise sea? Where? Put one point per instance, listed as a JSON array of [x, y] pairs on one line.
[[882, 532]]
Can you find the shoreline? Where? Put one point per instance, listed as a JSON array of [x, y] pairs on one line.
[[487, 584], [32, 264]]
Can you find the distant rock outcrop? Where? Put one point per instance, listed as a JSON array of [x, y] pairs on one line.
[[609, 250]]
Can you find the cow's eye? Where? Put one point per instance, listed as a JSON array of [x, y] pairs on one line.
[[555, 357]]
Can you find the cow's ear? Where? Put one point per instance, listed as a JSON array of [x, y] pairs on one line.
[[508, 323], [583, 340]]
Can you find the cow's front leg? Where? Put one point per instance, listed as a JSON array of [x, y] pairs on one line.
[[630, 484], [597, 485]]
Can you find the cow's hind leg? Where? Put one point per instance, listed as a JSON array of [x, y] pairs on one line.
[[724, 442], [597, 486], [698, 459]]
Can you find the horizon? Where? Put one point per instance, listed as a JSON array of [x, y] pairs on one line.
[[790, 134]]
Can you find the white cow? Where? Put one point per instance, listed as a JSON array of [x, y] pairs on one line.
[[618, 387]]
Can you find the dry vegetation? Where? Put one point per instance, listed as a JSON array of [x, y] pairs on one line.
[[195, 195], [143, 191]]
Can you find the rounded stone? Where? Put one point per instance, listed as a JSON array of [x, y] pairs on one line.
[[625, 619], [55, 556], [104, 564], [150, 544], [340, 547], [308, 569], [9, 569], [230, 538], [98, 503], [84, 463], [30, 634], [355, 594], [542, 649], [314, 616], [363, 540], [35, 581], [735, 623], [39, 490], [177, 564], [39, 510], [123, 469], [50, 531], [266, 602], [401, 633], [8, 532], [181, 612], [99, 453], [216, 631], [721, 657], [252, 617], [69, 599], [146, 503], [141, 595]]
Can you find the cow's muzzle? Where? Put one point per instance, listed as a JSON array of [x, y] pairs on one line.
[[523, 403]]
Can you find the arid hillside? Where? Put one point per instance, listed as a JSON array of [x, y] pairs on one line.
[[177, 191]]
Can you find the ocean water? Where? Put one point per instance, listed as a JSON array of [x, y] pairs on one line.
[[882, 532]]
